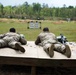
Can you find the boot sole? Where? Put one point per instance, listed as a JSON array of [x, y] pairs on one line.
[[20, 48], [51, 50], [68, 51]]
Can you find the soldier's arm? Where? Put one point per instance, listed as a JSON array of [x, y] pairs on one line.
[[1, 36], [37, 40], [23, 41]]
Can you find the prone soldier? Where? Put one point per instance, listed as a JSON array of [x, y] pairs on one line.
[[12, 40]]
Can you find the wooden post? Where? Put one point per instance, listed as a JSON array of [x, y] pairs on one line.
[[33, 70]]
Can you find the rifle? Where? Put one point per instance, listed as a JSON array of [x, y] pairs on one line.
[[62, 39]]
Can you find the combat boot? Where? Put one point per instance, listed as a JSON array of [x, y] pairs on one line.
[[19, 47], [50, 50], [68, 51]]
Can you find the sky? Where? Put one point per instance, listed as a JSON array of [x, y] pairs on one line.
[[51, 3]]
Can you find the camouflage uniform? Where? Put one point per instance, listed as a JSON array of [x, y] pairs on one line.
[[10, 39], [46, 39]]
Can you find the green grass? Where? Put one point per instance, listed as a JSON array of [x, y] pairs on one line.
[[66, 28]]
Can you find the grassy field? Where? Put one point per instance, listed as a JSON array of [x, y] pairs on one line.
[[66, 28]]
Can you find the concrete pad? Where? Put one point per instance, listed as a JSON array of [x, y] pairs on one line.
[[34, 51]]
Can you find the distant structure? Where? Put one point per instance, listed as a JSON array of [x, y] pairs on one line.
[[68, 19], [32, 24]]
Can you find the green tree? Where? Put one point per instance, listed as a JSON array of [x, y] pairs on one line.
[[1, 9], [7, 10], [25, 7], [36, 8], [35, 11]]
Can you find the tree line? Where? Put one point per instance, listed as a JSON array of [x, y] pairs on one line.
[[38, 11]]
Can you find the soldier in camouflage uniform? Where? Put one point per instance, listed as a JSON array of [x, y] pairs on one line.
[[13, 40], [50, 43]]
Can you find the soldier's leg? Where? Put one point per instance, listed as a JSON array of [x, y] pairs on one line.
[[60, 48], [16, 45], [64, 49], [49, 49], [2, 43]]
